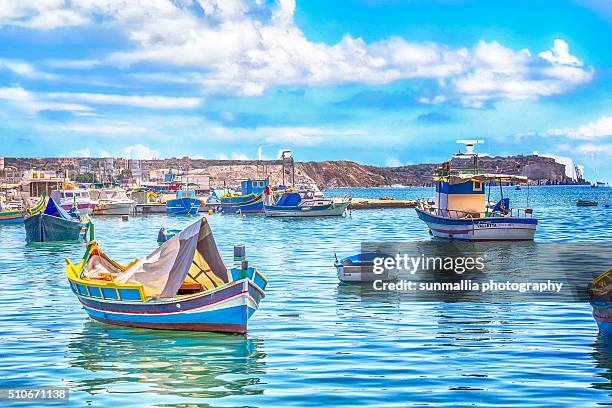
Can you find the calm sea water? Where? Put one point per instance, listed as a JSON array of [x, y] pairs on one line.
[[313, 342]]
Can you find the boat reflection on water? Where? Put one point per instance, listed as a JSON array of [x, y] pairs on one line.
[[602, 356], [169, 364]]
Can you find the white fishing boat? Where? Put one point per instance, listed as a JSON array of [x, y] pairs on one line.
[[112, 201], [461, 210], [74, 197], [303, 204]]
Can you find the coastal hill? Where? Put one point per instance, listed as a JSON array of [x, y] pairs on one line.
[[326, 174]]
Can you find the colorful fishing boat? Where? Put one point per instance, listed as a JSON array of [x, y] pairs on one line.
[[249, 200], [461, 211], [600, 291], [184, 203], [52, 223], [9, 215], [360, 268], [182, 285], [304, 204]]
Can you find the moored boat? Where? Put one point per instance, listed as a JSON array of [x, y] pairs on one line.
[[182, 285], [360, 268], [51, 222], [10, 215], [78, 197], [460, 209], [112, 201], [184, 203], [249, 200], [586, 203], [304, 204], [600, 291]]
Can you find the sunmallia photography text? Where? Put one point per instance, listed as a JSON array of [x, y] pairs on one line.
[[467, 285]]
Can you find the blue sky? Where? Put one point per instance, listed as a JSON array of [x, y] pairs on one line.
[[385, 82]]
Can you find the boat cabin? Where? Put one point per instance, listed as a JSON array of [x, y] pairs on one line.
[[253, 186], [463, 189], [185, 194], [63, 195], [110, 194]]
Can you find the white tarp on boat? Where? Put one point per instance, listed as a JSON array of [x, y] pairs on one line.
[[191, 254]]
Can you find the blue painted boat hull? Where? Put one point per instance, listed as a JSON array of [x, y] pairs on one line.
[[226, 309], [254, 205], [335, 209], [602, 312], [183, 206], [46, 228], [480, 229], [11, 217]]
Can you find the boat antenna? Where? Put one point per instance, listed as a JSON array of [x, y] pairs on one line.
[[470, 145], [527, 193]]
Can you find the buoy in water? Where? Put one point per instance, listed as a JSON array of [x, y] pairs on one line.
[[125, 217], [210, 211]]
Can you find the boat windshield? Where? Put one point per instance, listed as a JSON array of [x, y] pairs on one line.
[[117, 195]]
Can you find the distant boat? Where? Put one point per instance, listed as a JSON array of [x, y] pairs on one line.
[[112, 201], [249, 200], [586, 203], [182, 285], [74, 197], [518, 188], [601, 302], [304, 204], [53, 223], [10, 215], [184, 203], [360, 268], [460, 210]]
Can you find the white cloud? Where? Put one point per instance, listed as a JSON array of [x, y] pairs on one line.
[[303, 136], [140, 152], [587, 149], [559, 55], [73, 64], [37, 101], [599, 129], [24, 69], [105, 129], [32, 103], [233, 47], [150, 101], [233, 156], [41, 14], [295, 135], [393, 162]]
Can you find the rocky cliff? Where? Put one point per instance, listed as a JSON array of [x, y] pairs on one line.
[[541, 170], [327, 174]]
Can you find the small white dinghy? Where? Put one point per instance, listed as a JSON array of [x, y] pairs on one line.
[[360, 268]]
